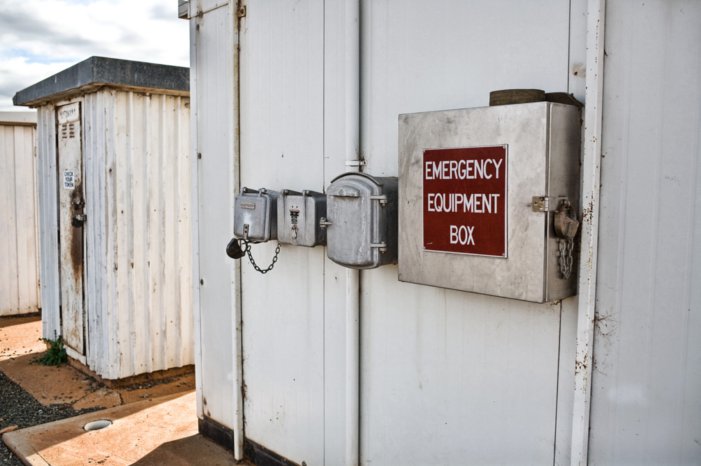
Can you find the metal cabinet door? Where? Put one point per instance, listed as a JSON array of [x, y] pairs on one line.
[[350, 232]]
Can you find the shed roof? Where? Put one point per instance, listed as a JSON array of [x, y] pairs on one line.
[[27, 118], [97, 72]]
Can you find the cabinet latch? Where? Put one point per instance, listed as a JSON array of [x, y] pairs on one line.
[[546, 203]]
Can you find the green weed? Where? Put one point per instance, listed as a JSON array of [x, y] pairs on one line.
[[55, 354]]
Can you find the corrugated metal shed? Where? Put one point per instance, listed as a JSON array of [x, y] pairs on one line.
[[19, 267], [118, 287]]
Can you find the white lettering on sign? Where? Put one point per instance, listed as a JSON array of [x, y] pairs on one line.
[[463, 169], [465, 200], [69, 179], [462, 234], [476, 203]]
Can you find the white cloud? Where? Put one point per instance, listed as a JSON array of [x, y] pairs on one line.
[[41, 37]]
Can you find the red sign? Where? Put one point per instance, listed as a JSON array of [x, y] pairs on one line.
[[465, 200]]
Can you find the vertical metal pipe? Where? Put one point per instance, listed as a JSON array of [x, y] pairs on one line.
[[591, 171], [353, 160]]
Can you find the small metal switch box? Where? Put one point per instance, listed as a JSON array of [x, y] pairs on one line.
[[298, 218], [361, 220], [255, 215]]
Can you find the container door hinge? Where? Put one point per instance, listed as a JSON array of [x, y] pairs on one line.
[[241, 12]]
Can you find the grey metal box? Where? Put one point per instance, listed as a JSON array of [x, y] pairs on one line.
[[540, 143], [255, 215], [362, 220], [298, 216]]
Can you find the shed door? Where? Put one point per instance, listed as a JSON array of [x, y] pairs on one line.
[[71, 219]]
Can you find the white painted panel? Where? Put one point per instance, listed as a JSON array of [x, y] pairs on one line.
[[475, 378], [48, 221], [451, 55], [215, 106], [19, 280], [646, 393], [282, 135]]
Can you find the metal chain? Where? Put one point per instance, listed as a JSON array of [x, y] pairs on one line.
[[565, 247], [247, 250]]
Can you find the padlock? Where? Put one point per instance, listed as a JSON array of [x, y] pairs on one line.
[[566, 226], [78, 220], [233, 249]]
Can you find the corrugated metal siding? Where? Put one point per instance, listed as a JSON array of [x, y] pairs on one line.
[[646, 394], [138, 293], [19, 273], [48, 221]]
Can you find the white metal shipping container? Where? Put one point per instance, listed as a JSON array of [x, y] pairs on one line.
[[114, 166], [332, 366], [19, 268]]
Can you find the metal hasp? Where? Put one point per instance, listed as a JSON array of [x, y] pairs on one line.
[[255, 215], [361, 223], [298, 216], [479, 191]]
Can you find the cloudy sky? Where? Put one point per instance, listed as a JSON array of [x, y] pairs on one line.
[[39, 38]]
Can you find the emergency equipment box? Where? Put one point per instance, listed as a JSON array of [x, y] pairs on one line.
[[487, 199]]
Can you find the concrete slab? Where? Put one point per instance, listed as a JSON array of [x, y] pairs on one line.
[[153, 432]]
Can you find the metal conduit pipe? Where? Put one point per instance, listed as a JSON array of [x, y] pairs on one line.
[[353, 162], [591, 173]]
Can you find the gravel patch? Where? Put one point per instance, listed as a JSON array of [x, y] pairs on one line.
[[19, 408]]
